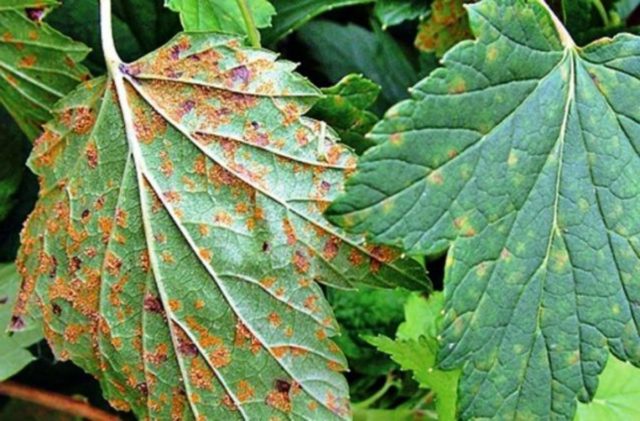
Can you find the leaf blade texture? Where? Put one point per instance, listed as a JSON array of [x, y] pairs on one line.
[[179, 235], [220, 15], [503, 161], [38, 65]]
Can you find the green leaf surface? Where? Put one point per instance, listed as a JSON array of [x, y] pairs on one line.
[[291, 15], [617, 396], [521, 156], [416, 348], [626, 7], [38, 65], [391, 415], [220, 15], [344, 107], [12, 347], [394, 12], [375, 54], [178, 241]]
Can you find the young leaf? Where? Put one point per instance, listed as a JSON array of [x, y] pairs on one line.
[[13, 348], [291, 15], [344, 107], [522, 154], [376, 55], [617, 396], [38, 65], [178, 239], [447, 25], [394, 12], [220, 15]]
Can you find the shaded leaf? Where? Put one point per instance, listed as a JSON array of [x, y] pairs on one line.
[[178, 239], [522, 155], [400, 414], [15, 356], [291, 15], [447, 25], [617, 396], [394, 12], [376, 55], [12, 160], [38, 65], [344, 107], [220, 15], [415, 348], [139, 26]]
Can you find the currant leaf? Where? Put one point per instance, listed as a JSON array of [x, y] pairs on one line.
[[521, 156], [178, 241]]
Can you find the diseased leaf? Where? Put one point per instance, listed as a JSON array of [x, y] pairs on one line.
[[178, 239], [291, 15], [416, 348], [394, 12], [220, 15], [38, 65], [375, 54], [522, 156], [13, 348], [447, 25], [617, 396], [344, 107]]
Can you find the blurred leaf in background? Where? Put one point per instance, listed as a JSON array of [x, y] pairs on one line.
[[394, 12], [342, 49]]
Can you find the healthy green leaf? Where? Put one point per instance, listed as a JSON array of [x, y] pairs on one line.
[[344, 107], [291, 15], [522, 156], [416, 348], [391, 415], [178, 239], [447, 25], [617, 396], [376, 55], [38, 65], [12, 348], [220, 15], [394, 12]]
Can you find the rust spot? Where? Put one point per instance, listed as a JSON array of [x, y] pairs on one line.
[[153, 304]]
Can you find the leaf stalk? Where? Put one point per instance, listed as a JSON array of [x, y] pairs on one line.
[[250, 23], [106, 33]]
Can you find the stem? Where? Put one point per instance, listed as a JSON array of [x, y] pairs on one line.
[[252, 30], [55, 401], [564, 35], [388, 384], [108, 47], [601, 11]]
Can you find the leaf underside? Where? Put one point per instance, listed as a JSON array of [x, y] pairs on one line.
[[178, 260], [38, 65], [522, 155]]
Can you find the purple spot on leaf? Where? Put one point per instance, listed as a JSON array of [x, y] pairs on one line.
[[35, 13], [241, 73]]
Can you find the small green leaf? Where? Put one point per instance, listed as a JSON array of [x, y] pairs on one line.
[[447, 25], [38, 65], [376, 55], [521, 155], [416, 348], [291, 15], [394, 12], [12, 347], [220, 15], [178, 241], [344, 107], [617, 396]]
